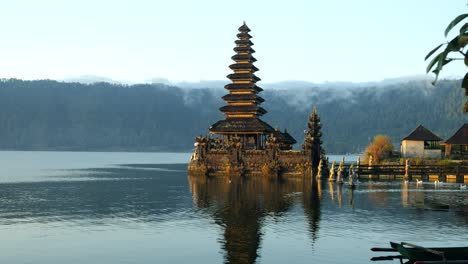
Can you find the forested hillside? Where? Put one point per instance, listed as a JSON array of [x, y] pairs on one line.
[[51, 115]]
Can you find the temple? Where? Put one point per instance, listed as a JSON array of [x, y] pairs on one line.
[[243, 108], [242, 143]]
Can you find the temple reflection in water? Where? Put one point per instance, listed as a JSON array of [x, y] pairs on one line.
[[246, 220], [240, 205]]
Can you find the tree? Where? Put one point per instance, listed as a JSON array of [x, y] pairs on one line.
[[378, 147], [456, 46]]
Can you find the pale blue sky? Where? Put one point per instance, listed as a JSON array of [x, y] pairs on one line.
[[360, 40]]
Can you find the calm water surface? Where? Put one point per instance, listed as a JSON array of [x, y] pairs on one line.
[[90, 207]]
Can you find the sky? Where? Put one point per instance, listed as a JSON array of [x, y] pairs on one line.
[[184, 40]]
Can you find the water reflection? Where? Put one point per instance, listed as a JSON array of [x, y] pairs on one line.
[[339, 193], [250, 219], [240, 206], [404, 194], [98, 194], [351, 197]]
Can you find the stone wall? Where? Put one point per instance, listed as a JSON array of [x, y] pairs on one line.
[[253, 162], [295, 162]]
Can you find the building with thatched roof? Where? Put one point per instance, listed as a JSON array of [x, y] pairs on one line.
[[242, 143], [422, 143], [285, 139], [243, 108], [457, 145]]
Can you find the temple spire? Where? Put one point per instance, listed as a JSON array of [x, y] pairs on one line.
[[313, 140], [243, 100], [242, 107]]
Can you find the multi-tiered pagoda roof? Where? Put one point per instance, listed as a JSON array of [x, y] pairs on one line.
[[243, 102]]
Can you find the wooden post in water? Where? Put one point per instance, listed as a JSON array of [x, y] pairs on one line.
[[407, 173], [358, 163], [425, 173], [441, 174], [460, 178], [369, 167]]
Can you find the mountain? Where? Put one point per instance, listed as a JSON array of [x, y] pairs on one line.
[[51, 115]]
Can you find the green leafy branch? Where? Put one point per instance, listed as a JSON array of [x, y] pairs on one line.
[[455, 46]]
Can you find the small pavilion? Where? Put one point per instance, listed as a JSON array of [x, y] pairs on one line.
[[457, 145], [422, 143]]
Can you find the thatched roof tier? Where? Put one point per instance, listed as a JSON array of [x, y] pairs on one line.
[[244, 35], [244, 76], [288, 138], [242, 97], [243, 42], [241, 125], [242, 109], [244, 49], [460, 137], [243, 66], [244, 28], [243, 86], [253, 108], [284, 137], [244, 57], [422, 134]]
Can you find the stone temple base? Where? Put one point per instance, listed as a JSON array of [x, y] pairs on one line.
[[263, 163]]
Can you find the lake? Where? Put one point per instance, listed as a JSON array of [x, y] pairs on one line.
[[116, 207]]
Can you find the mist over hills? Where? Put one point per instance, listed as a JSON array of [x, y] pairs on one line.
[[51, 115], [90, 79]]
